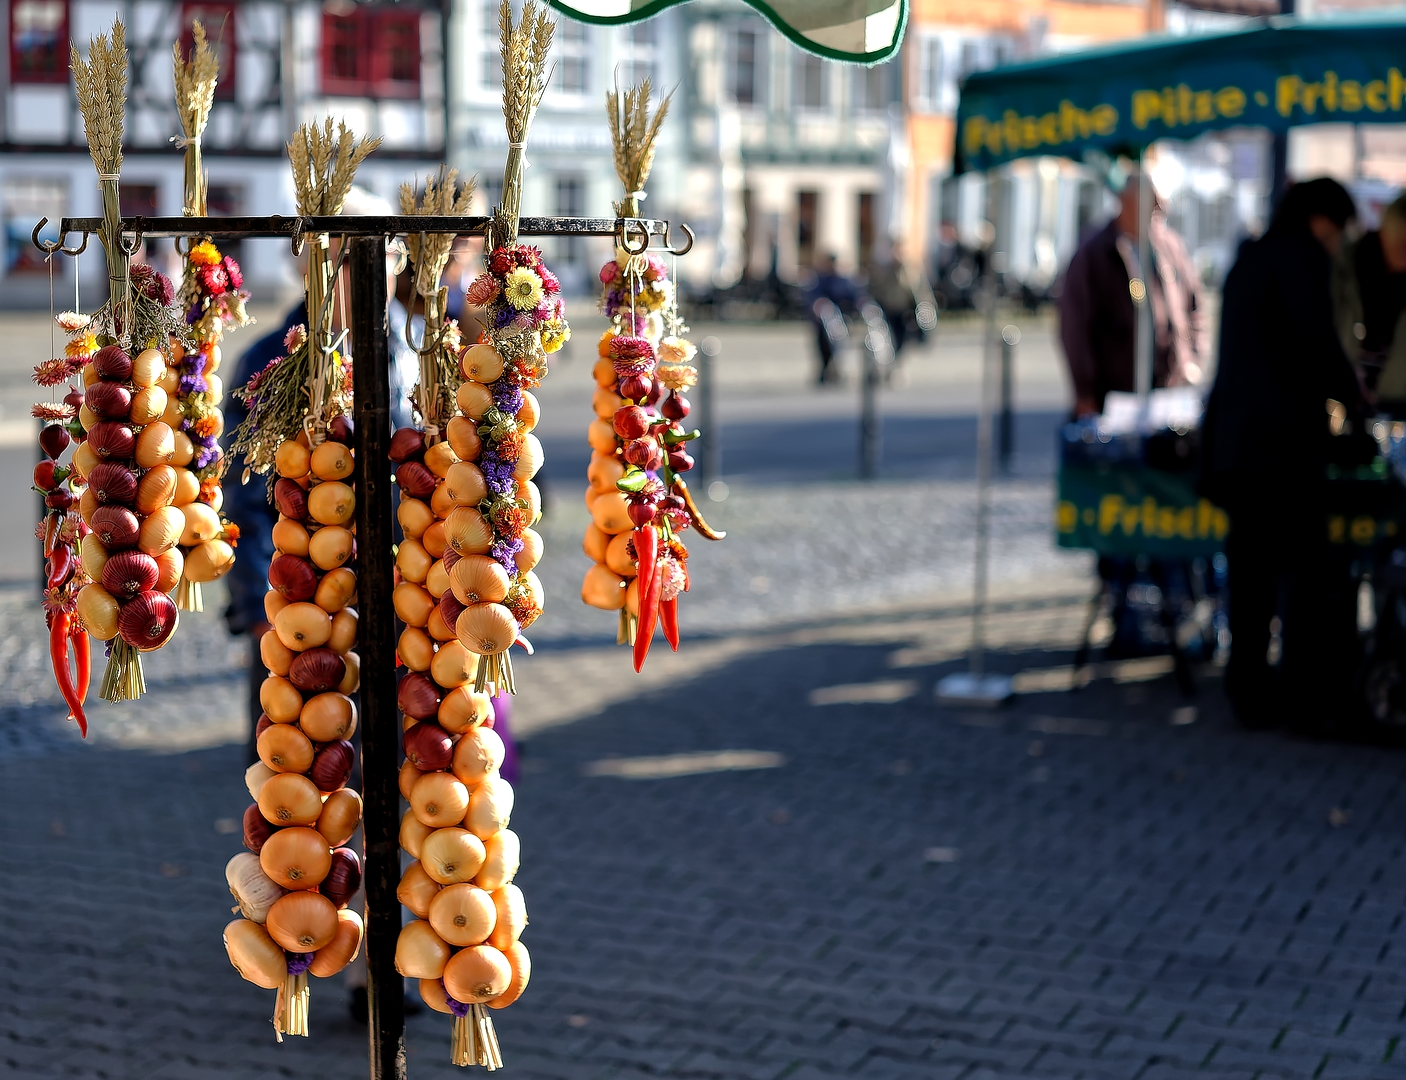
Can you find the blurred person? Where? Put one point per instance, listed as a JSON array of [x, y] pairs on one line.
[[831, 296], [1098, 318], [891, 286], [1369, 294], [1283, 389], [957, 269]]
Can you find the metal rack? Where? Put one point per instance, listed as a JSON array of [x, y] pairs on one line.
[[366, 239]]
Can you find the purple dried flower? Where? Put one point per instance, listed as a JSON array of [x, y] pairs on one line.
[[299, 962]]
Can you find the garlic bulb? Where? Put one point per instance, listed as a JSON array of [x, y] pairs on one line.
[[255, 891], [256, 776]]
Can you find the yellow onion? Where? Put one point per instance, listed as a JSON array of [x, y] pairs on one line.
[[420, 953], [462, 914], [169, 565], [477, 579], [330, 546], [343, 635], [530, 460], [288, 798], [274, 602], [464, 484], [161, 530], [463, 437], [440, 458], [351, 681], [436, 540], [280, 699], [462, 708], [416, 890], [500, 861], [303, 626], [477, 756], [328, 717], [342, 949], [453, 666], [405, 779], [277, 657], [208, 561], [336, 590], [331, 503], [296, 858], [528, 412], [605, 402], [437, 627], [148, 367], [98, 611], [437, 579], [187, 486], [531, 553], [413, 561], [292, 459], [477, 974], [611, 513], [302, 922], [412, 833], [340, 816], [510, 918], [439, 800], [474, 399], [201, 524], [252, 889], [486, 629], [595, 543], [601, 436], [256, 776], [256, 956], [156, 445], [290, 537], [521, 964], [467, 531], [432, 994], [415, 649], [148, 405], [531, 494], [481, 363], [93, 556], [490, 807], [414, 517], [451, 855], [618, 558], [332, 461], [603, 589], [412, 603], [156, 489], [85, 459], [285, 749], [183, 454], [440, 502]]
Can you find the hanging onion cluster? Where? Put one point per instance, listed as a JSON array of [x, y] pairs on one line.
[[295, 882]]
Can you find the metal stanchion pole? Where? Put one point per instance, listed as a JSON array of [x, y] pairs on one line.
[[876, 356], [712, 458], [380, 724], [1010, 338]]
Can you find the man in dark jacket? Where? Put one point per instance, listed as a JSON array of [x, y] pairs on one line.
[[1283, 389], [1098, 318], [830, 297]]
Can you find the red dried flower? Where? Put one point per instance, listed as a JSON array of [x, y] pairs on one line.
[[631, 355]]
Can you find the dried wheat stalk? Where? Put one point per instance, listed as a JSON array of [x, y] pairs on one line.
[[195, 96], [524, 50], [443, 196], [634, 133], [101, 85]]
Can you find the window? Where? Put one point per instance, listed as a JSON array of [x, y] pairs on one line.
[[637, 53], [929, 92], [971, 58], [743, 84], [26, 199], [873, 87], [490, 58], [572, 46], [490, 190], [218, 20], [371, 53], [571, 202], [39, 41], [811, 76], [806, 206], [866, 229]]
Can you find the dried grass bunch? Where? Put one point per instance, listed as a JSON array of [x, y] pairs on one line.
[[524, 49], [443, 196], [324, 166], [195, 79], [101, 86], [634, 134]]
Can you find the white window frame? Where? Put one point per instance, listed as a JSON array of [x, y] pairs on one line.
[[801, 60]]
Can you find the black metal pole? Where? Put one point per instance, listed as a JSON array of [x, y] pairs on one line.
[[380, 726], [1010, 337], [712, 460]]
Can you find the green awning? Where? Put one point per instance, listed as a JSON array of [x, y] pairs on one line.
[[1118, 99], [858, 31]]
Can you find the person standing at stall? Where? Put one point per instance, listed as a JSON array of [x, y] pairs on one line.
[[1098, 316], [1369, 297], [1284, 389], [830, 298]]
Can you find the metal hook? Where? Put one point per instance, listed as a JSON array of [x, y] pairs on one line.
[[130, 246], [622, 237], [48, 247], [296, 237], [687, 232]]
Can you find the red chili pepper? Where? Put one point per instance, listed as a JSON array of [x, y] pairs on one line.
[[60, 566], [646, 554], [58, 655], [83, 656], [51, 532], [669, 620], [649, 614]]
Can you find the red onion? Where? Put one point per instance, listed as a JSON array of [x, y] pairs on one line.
[[116, 527], [675, 406], [332, 765], [641, 451], [292, 576], [341, 429], [642, 513], [128, 573], [630, 422], [317, 670], [428, 746], [109, 400], [415, 479], [449, 607], [113, 483], [110, 362], [264, 722], [343, 879], [112, 440], [450, 558], [59, 499], [407, 444], [45, 475], [417, 695], [636, 387], [292, 500], [256, 829], [147, 620], [54, 439]]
